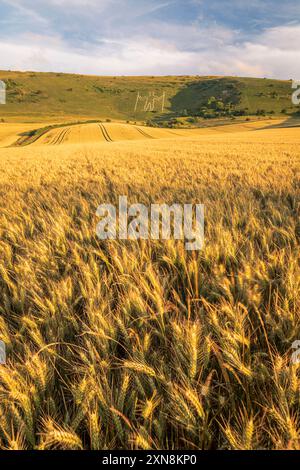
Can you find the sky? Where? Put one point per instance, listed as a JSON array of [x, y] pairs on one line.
[[254, 38]]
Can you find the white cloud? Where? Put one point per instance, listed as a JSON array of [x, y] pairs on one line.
[[130, 57], [161, 48], [275, 53], [26, 11]]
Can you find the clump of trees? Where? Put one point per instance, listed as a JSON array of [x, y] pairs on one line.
[[216, 107], [260, 112]]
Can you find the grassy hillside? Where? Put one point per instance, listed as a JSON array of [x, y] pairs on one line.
[[34, 96]]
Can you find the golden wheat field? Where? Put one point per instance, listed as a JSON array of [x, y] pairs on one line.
[[141, 344]]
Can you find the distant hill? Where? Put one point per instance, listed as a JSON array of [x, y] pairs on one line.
[[57, 95]]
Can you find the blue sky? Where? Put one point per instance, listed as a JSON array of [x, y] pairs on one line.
[[137, 37]]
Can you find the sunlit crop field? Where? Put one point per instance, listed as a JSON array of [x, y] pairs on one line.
[[141, 344]]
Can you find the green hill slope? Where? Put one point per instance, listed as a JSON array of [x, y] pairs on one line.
[[55, 96]]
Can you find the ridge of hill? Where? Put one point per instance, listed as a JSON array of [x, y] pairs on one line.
[[39, 96]]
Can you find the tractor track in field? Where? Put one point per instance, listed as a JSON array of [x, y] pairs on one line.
[[175, 133], [56, 138], [144, 133], [61, 136], [105, 133]]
